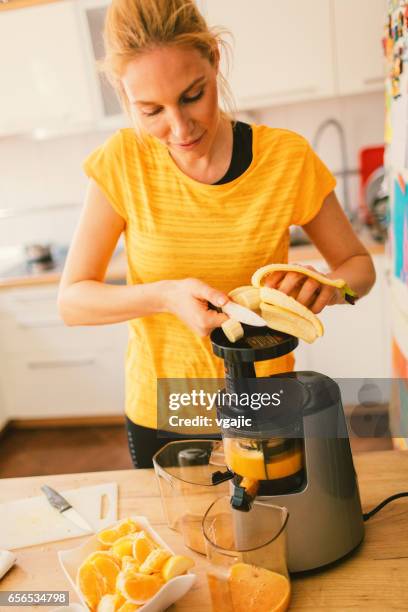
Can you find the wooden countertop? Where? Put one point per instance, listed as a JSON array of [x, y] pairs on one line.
[[118, 267], [373, 579]]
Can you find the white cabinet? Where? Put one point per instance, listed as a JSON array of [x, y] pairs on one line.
[[359, 28], [44, 82], [282, 50], [357, 339], [49, 370]]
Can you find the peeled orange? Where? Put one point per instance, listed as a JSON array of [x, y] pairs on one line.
[[154, 561], [128, 607], [111, 603], [123, 546], [142, 546], [175, 566], [91, 584], [107, 537], [138, 588]]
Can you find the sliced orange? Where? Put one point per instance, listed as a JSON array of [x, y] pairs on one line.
[[128, 606], [256, 588], [142, 546], [91, 584], [128, 526], [130, 563], [138, 588], [123, 546], [111, 603], [154, 561], [107, 537], [175, 566], [109, 570]]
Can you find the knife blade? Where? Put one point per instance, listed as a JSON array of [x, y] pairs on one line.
[[64, 507], [243, 314]]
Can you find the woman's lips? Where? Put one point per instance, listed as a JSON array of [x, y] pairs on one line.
[[189, 145]]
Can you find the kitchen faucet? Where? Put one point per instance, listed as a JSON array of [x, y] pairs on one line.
[[344, 172]]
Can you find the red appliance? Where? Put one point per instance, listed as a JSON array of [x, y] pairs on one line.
[[370, 158]]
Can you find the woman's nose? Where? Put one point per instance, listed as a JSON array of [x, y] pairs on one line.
[[181, 126]]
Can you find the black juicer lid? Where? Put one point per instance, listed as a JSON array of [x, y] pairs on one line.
[[258, 344]]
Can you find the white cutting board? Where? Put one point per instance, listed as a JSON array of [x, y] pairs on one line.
[[33, 520]]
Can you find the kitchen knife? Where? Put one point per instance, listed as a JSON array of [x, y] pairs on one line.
[[64, 507], [245, 315]]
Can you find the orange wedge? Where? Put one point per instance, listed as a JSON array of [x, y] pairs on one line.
[[130, 563], [123, 546], [107, 537], [91, 584], [255, 588], [142, 546], [154, 561], [175, 566], [138, 588], [128, 607], [110, 603]]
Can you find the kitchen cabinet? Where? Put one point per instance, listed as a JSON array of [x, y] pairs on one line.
[[359, 28], [44, 77], [50, 370], [356, 344], [282, 51]]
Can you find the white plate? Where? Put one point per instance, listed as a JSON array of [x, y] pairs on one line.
[[170, 592]]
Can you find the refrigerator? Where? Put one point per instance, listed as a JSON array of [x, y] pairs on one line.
[[395, 43]]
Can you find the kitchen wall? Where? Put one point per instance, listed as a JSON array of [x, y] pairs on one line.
[[37, 173]]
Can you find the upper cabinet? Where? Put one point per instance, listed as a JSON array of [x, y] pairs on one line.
[[44, 78], [292, 51], [282, 51], [359, 28]]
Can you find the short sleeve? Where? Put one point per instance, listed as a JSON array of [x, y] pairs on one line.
[[105, 166], [315, 183]]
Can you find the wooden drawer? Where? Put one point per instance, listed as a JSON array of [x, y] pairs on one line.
[[80, 383]]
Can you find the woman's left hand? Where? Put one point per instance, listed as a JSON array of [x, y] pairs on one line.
[[304, 289]]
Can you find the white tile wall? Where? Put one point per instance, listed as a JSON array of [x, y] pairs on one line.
[[37, 173]]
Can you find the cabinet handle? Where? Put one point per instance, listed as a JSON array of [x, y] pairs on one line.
[[374, 80], [62, 363]]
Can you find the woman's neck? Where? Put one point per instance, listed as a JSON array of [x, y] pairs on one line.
[[211, 167]]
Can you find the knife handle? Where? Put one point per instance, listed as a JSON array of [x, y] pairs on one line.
[[55, 499], [216, 308]]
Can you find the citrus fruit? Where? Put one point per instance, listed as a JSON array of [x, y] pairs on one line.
[[128, 606], [110, 603], [91, 584], [130, 563], [123, 546], [175, 566], [256, 588], [142, 546], [107, 537], [154, 561], [138, 588]]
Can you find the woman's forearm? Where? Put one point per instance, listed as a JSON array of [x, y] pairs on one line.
[[91, 302], [358, 272]]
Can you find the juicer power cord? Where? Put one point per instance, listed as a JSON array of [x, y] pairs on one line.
[[368, 515]]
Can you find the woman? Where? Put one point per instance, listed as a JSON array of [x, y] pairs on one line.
[[203, 203]]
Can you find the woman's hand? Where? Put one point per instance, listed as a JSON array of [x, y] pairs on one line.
[[304, 289], [188, 300]]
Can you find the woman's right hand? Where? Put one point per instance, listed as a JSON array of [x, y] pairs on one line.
[[188, 299]]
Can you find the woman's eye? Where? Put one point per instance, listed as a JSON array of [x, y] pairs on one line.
[[187, 100], [156, 111]]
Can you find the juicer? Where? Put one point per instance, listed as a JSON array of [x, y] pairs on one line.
[[295, 454]]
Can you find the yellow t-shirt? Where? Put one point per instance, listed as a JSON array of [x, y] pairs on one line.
[[177, 227]]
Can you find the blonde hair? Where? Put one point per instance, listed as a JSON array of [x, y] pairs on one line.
[[133, 27]]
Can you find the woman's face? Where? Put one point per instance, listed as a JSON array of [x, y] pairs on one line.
[[172, 92]]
